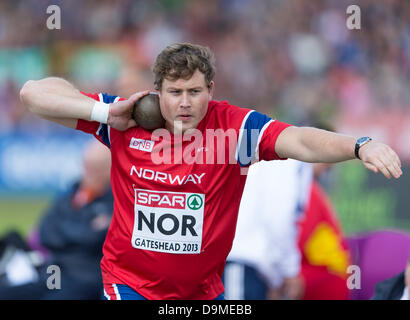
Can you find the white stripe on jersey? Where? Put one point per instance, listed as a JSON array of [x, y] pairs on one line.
[[117, 294], [98, 129], [106, 295], [108, 127], [241, 132], [260, 138]]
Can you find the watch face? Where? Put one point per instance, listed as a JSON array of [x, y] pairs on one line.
[[362, 139]]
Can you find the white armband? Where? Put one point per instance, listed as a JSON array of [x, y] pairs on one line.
[[100, 112]]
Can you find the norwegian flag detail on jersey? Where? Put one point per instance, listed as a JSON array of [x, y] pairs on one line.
[[250, 133], [100, 130]]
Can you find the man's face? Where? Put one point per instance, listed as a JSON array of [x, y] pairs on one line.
[[184, 103]]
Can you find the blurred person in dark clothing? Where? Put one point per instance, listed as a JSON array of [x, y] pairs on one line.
[[73, 231], [395, 288]]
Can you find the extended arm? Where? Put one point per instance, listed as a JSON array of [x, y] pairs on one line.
[[58, 100], [316, 145]]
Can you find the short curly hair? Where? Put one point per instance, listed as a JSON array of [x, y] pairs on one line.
[[181, 60]]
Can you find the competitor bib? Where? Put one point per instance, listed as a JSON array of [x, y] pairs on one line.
[[168, 221]]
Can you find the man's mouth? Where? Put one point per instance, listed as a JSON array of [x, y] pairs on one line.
[[184, 117]]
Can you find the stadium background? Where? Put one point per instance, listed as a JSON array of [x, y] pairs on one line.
[[294, 60]]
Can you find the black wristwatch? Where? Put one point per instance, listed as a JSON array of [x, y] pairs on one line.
[[359, 143]]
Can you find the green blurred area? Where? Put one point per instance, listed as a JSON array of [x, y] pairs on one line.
[[21, 214], [365, 201]]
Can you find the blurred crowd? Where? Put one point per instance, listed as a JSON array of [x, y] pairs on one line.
[[296, 60]]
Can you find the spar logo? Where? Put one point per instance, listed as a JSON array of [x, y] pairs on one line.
[[160, 199], [195, 202]]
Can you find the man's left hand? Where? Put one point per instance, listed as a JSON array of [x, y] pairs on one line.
[[378, 156]]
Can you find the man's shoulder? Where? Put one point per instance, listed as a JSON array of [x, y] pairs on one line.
[[225, 106], [225, 113]]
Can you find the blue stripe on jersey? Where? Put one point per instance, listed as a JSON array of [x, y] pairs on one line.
[[102, 132], [108, 98], [103, 129], [126, 293], [250, 135]]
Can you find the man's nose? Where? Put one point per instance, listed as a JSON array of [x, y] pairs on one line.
[[185, 103]]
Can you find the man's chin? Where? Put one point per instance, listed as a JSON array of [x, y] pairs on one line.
[[182, 126]]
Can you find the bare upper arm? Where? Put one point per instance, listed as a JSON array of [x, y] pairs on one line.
[[56, 100], [287, 145], [311, 144]]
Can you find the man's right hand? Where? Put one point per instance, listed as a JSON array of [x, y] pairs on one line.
[[120, 115]]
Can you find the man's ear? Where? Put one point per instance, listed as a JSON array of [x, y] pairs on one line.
[[211, 89]]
